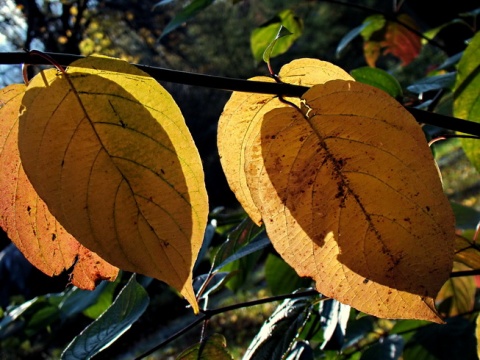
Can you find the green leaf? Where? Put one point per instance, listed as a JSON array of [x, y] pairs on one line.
[[103, 300], [214, 348], [245, 239], [263, 36], [378, 78], [348, 38], [77, 300], [267, 54], [188, 12], [281, 278], [373, 24], [437, 82], [466, 104], [279, 331], [240, 253], [129, 305], [41, 319]]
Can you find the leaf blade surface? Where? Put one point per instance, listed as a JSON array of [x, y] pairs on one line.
[[351, 198], [26, 218], [108, 150]]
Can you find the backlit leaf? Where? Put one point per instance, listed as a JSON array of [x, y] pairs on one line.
[[240, 122], [350, 196], [477, 334], [271, 33], [467, 251], [466, 105], [457, 295], [107, 149], [25, 217]]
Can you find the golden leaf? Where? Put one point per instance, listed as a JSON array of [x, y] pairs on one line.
[[350, 196], [240, 122], [108, 150], [467, 251], [457, 295], [25, 217]]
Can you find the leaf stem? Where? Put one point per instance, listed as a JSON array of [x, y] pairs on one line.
[[232, 84]]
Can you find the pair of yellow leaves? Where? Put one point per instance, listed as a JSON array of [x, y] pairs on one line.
[[345, 184]]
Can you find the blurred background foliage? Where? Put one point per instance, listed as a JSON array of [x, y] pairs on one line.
[[217, 42]]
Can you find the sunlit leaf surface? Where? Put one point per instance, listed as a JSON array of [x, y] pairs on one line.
[[240, 123], [26, 218], [350, 196], [108, 150], [466, 105]]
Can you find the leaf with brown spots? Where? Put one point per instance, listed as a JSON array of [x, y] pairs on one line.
[[350, 196], [241, 120], [25, 217], [107, 148]]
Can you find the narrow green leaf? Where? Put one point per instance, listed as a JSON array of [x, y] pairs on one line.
[[77, 300], [348, 38], [466, 105], [42, 319], [373, 24], [245, 239], [129, 305], [279, 331], [103, 301], [437, 82], [378, 78], [188, 12], [333, 320], [13, 315]]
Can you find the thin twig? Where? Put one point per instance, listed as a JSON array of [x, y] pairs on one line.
[[465, 273], [207, 314], [231, 84]]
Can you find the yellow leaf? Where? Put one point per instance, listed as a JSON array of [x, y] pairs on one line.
[[467, 251], [108, 150], [477, 334], [25, 217], [350, 196], [240, 122], [457, 295]]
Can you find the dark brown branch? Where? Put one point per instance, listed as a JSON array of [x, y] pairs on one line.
[[230, 84], [465, 273]]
